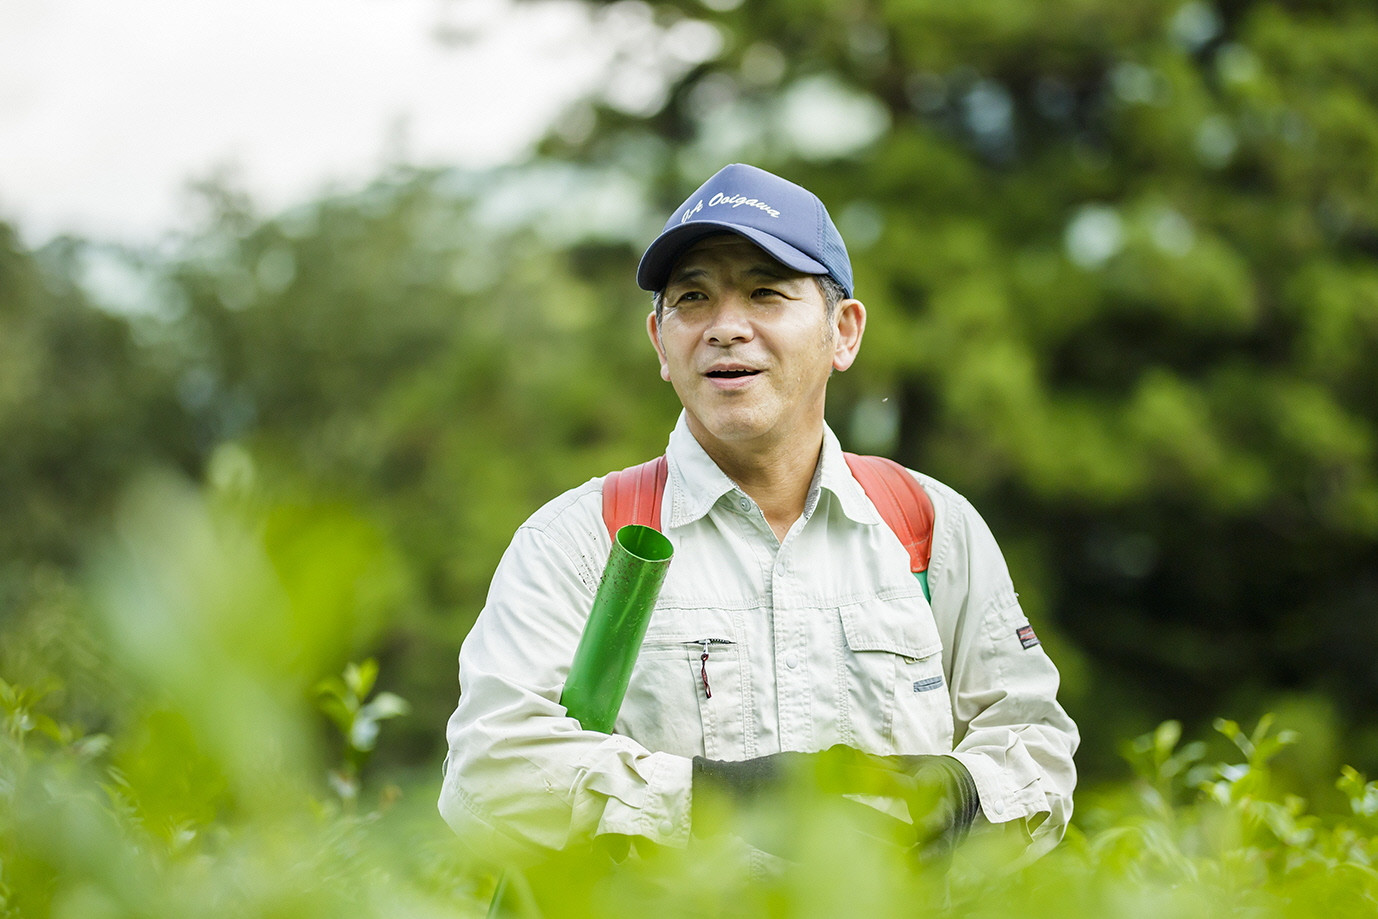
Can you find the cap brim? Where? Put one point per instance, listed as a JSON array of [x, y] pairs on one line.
[[661, 255]]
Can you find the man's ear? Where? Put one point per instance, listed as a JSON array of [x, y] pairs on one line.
[[653, 330], [851, 325]]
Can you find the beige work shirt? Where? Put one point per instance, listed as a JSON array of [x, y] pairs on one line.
[[822, 639]]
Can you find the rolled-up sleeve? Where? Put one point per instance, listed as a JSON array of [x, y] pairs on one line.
[[521, 776], [1009, 730]]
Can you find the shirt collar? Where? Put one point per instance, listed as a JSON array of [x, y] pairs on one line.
[[836, 477], [696, 483]]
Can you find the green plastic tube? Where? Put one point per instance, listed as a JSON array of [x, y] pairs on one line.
[[603, 661], [607, 651]]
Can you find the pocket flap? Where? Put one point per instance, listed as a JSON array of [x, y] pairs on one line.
[[903, 625], [675, 625]]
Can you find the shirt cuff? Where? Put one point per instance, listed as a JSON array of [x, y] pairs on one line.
[[663, 812], [999, 802]]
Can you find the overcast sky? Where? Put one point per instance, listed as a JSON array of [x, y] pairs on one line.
[[109, 107]]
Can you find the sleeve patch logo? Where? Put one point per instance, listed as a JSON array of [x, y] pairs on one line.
[[1027, 638]]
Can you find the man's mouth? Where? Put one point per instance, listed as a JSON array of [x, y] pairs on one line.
[[731, 374]]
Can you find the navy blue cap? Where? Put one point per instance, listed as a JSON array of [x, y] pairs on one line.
[[784, 219]]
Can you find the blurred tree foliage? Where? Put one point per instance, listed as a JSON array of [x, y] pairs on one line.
[[384, 360], [1120, 267]]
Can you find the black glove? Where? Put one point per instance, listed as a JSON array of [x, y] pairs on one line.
[[938, 790], [721, 789], [942, 800]]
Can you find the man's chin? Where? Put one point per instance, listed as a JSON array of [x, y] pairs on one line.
[[729, 428]]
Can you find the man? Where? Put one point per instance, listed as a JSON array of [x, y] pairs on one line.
[[790, 635]]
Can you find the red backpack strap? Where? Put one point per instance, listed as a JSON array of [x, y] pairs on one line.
[[634, 495], [902, 503]]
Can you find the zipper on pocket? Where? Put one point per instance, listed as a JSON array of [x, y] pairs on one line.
[[703, 662]]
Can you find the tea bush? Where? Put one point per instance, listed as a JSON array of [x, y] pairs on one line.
[[230, 777]]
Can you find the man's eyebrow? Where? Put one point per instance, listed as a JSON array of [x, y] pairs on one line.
[[686, 276], [764, 270]]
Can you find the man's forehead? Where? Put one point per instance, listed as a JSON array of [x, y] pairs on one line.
[[729, 247]]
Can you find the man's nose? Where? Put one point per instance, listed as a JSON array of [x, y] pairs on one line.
[[729, 323]]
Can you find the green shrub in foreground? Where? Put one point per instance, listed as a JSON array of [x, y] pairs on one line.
[[1186, 838], [210, 791]]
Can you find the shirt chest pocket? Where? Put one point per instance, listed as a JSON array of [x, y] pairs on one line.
[[677, 702], [891, 693]]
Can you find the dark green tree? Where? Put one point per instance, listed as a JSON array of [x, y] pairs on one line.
[[83, 406], [1119, 261], [445, 370]]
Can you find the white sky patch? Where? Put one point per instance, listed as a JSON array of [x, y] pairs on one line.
[[107, 110], [1094, 235], [825, 119]]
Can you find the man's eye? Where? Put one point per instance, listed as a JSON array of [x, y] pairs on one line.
[[765, 292]]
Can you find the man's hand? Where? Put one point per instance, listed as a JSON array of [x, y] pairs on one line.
[[942, 800], [938, 791]]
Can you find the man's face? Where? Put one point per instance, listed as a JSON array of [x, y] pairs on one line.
[[748, 345]]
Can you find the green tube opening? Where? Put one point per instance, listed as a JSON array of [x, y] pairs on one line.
[[645, 543]]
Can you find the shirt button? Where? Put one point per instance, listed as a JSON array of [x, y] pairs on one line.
[[667, 828], [792, 660], [745, 504]]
